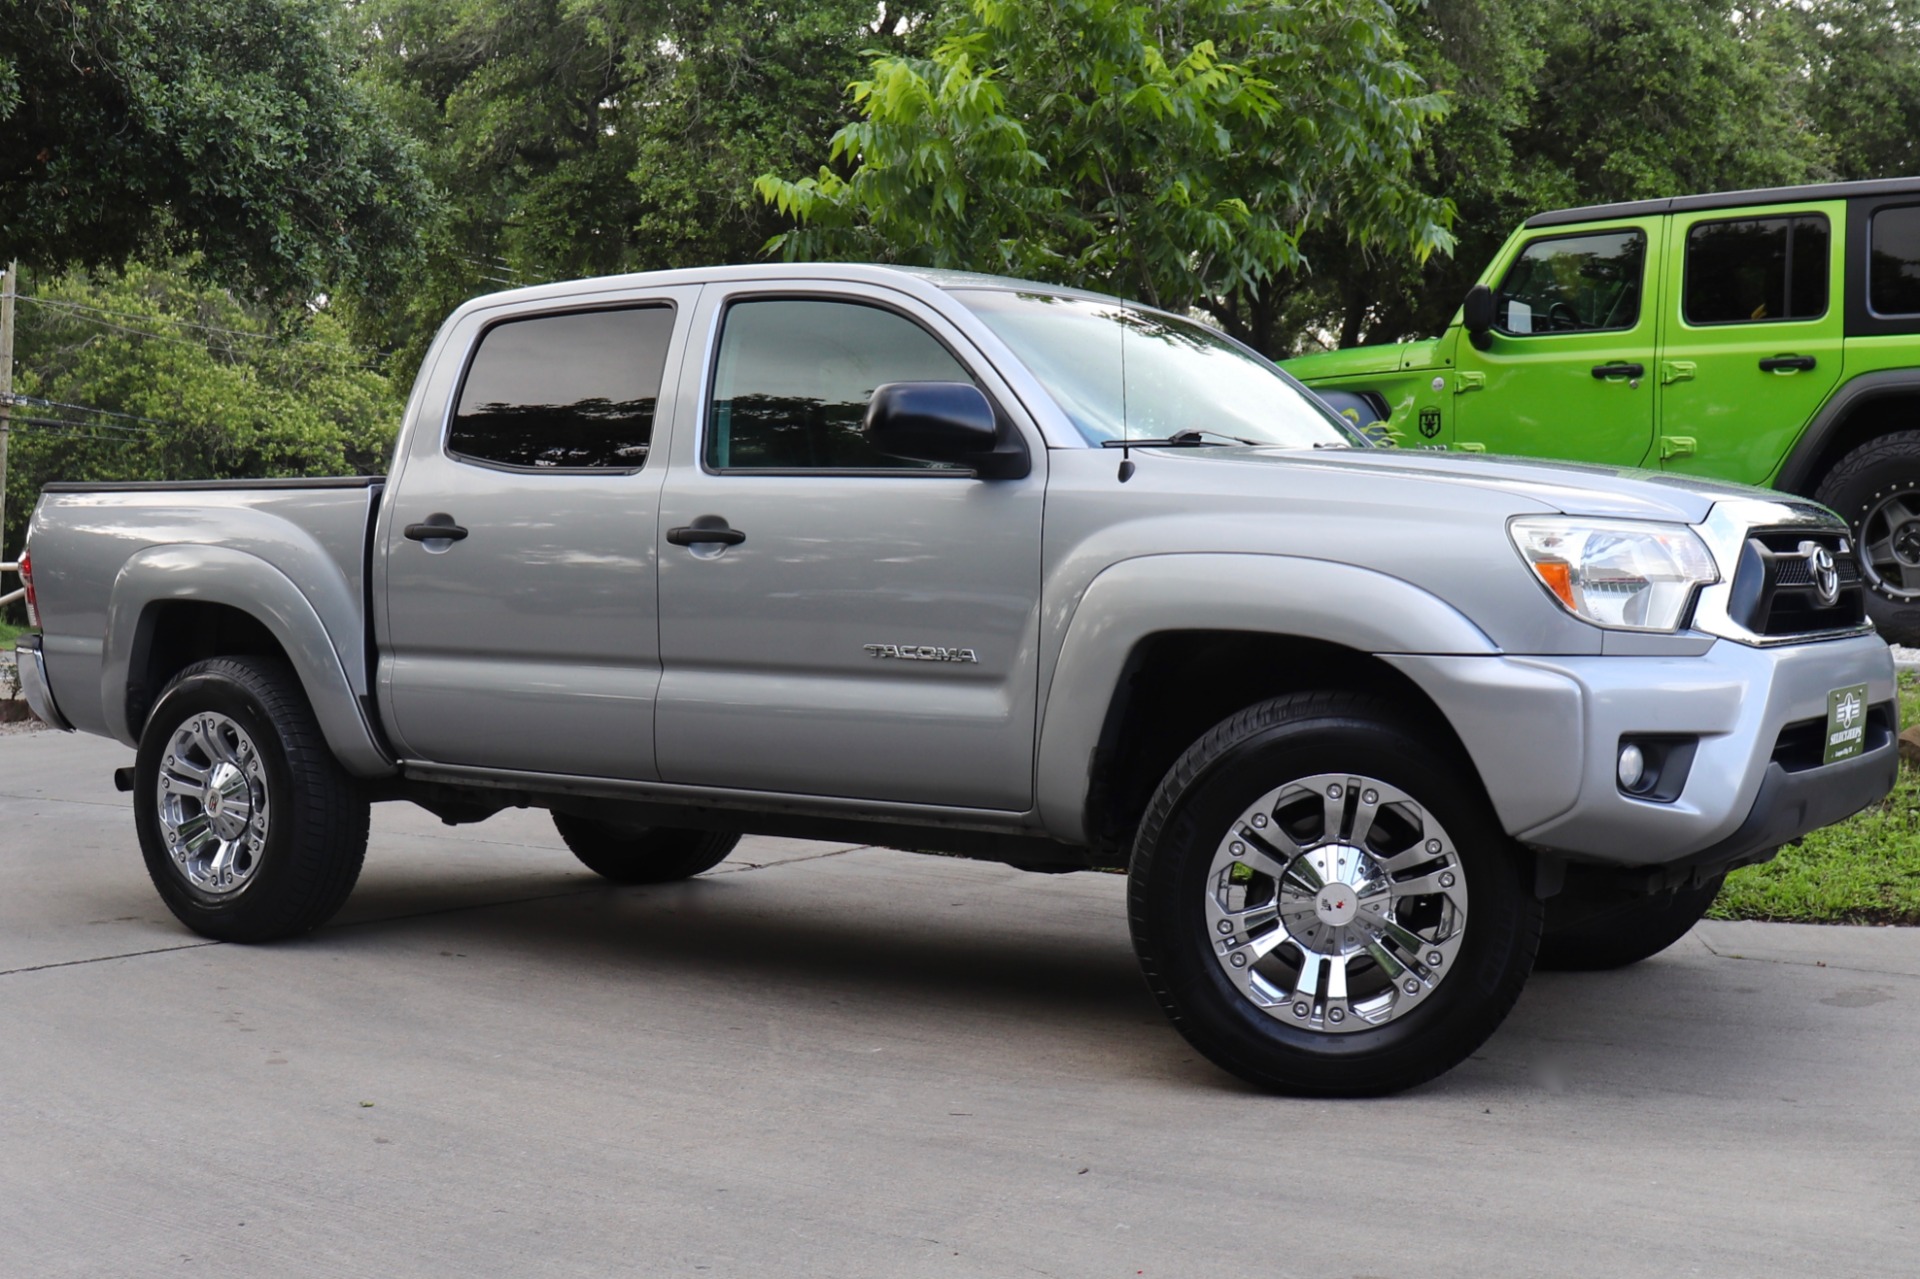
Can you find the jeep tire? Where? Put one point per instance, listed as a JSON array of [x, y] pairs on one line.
[[1876, 489]]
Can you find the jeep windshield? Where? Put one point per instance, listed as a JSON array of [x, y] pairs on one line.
[[1120, 372]]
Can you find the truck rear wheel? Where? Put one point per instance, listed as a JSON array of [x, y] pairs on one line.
[[1602, 928], [250, 828], [1876, 489], [1325, 905], [635, 854]]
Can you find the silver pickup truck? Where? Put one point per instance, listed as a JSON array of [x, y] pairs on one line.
[[971, 565]]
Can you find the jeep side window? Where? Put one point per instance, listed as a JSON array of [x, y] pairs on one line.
[[1756, 270], [1573, 284], [1893, 262], [793, 377], [564, 392]]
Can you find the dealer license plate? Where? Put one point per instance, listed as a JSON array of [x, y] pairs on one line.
[[1846, 723]]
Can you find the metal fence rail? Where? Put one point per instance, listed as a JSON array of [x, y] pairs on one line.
[[18, 594]]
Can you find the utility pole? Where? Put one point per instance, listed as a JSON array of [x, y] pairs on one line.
[[6, 391]]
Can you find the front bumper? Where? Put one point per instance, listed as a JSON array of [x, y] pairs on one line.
[[1544, 734], [33, 682]]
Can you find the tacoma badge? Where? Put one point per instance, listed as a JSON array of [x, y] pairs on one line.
[[921, 653]]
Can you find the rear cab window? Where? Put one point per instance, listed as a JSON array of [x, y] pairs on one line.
[[574, 391]]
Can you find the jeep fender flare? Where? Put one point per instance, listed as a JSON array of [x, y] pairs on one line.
[[189, 573], [1357, 608], [1796, 473]]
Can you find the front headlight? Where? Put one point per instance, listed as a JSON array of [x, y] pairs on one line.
[[1623, 574]]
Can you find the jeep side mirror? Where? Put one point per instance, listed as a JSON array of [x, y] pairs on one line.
[[1477, 315], [950, 422]]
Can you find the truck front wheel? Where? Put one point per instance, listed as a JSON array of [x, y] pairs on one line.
[[1326, 905], [1876, 489], [635, 854], [250, 828]]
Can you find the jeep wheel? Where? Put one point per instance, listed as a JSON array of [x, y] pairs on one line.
[[250, 828], [1876, 489], [1603, 927], [643, 854], [1324, 904]]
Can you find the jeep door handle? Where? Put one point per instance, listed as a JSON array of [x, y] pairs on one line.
[[705, 529], [1619, 370], [436, 528], [1773, 363]]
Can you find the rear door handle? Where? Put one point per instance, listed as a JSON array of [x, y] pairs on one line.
[[435, 528], [1619, 370], [706, 529], [1773, 363]]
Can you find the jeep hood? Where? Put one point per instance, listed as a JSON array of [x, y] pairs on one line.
[[1358, 361]]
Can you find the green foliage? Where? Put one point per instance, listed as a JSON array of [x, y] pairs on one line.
[[580, 137], [1174, 152], [1566, 102], [194, 385], [226, 127]]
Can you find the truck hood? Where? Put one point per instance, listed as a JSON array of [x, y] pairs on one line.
[[1356, 361], [1571, 488]]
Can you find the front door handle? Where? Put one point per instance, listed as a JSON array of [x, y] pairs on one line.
[[1777, 363], [706, 529], [1619, 370], [436, 528]]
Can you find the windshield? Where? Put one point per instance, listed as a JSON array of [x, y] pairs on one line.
[[1119, 372]]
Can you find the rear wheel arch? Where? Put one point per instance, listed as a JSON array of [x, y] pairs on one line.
[[1859, 411]]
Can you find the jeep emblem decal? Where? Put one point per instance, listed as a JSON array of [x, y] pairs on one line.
[[921, 653], [1430, 422]]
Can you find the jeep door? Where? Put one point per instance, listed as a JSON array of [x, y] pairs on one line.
[[1564, 373], [1752, 342], [872, 631], [524, 635]]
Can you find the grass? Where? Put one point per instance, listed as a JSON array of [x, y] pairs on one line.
[[9, 632], [1866, 870]]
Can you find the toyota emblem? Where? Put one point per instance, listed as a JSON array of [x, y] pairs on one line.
[[1826, 574]]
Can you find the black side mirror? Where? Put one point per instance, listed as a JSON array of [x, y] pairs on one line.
[[1477, 315], [944, 422]]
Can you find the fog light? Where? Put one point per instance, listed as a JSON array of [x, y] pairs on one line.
[[1633, 766]]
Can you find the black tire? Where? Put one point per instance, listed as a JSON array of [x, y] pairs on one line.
[[1202, 807], [1598, 928], [1859, 488], [643, 854], [306, 834]]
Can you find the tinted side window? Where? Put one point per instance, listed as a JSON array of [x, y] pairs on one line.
[[564, 391], [793, 378], [1573, 284], [1755, 270], [1893, 264]]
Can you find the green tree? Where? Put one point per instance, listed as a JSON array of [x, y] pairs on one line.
[[579, 137], [149, 374], [1569, 102], [226, 127], [1175, 152], [1863, 82]]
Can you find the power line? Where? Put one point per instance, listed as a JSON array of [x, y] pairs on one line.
[[88, 408], [84, 426], [62, 304]]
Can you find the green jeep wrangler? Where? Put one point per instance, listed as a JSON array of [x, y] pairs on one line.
[[1769, 337]]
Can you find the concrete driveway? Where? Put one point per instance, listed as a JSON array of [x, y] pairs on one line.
[[847, 1062]]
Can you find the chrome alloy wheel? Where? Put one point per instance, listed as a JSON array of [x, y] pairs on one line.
[[1336, 903], [212, 799]]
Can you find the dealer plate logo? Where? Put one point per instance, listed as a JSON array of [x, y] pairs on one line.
[[1846, 723]]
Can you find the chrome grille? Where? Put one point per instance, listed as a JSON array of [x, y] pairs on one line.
[[1776, 589]]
